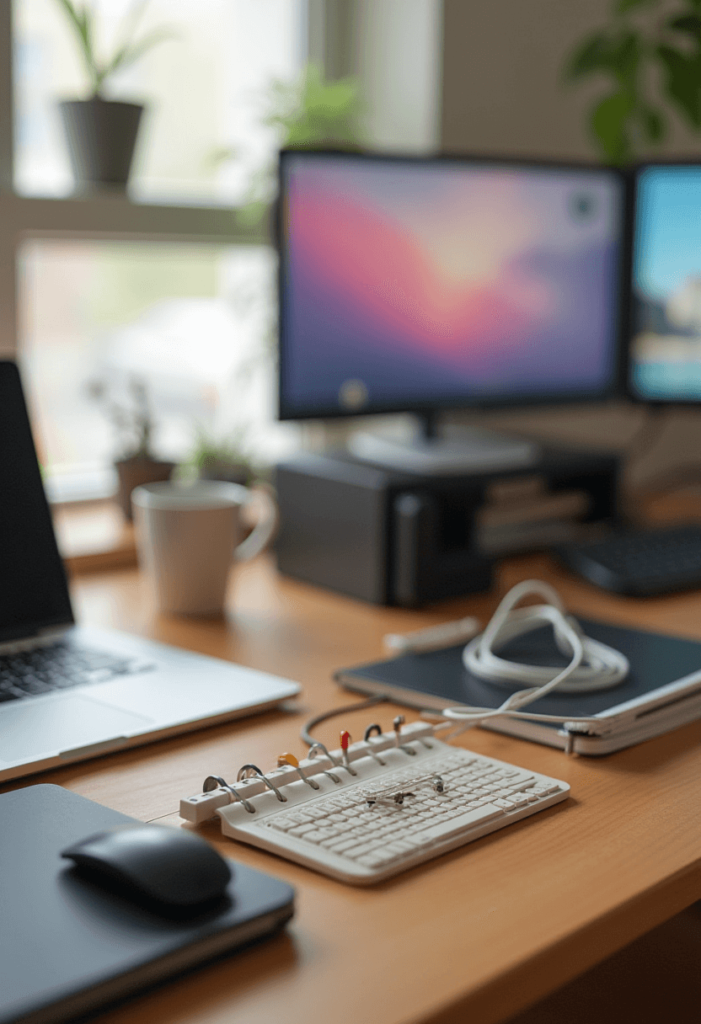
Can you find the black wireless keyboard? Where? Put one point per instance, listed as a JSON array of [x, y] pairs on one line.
[[640, 563]]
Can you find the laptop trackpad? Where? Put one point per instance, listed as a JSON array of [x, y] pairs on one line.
[[29, 731]]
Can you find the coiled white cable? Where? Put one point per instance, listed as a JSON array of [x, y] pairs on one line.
[[593, 665]]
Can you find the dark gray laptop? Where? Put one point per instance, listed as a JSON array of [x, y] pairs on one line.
[[69, 692]]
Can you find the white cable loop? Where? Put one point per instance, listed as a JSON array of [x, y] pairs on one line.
[[593, 666]]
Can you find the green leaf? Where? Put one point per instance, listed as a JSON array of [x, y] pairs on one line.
[[653, 124], [589, 57], [314, 112], [220, 155], [610, 123], [81, 21], [625, 58], [683, 82], [129, 53], [688, 23], [623, 6], [131, 19], [617, 55], [73, 14]]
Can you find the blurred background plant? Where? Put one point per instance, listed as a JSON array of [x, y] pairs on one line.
[[309, 113], [216, 458], [314, 112], [130, 415], [127, 50], [650, 53]]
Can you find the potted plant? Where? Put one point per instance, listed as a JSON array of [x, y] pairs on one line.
[[102, 133], [215, 459], [649, 54], [135, 463]]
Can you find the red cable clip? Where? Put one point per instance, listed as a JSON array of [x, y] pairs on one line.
[[345, 743]]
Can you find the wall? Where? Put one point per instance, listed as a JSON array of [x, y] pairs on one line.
[[502, 86], [398, 46]]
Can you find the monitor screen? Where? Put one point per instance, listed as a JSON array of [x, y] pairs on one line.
[[665, 364], [411, 284]]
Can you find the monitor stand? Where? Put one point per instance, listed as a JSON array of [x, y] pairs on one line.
[[463, 450]]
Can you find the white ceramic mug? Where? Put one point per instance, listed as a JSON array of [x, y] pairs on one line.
[[188, 535]]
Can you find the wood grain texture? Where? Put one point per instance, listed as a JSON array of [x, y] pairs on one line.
[[478, 934]]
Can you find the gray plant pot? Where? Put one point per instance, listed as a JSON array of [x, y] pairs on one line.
[[101, 138]]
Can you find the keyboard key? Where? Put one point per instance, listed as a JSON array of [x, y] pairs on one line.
[[344, 844], [451, 828], [301, 830], [374, 860]]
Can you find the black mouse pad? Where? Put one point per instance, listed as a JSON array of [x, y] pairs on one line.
[[68, 946]]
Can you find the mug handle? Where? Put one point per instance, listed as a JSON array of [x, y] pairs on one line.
[[264, 530]]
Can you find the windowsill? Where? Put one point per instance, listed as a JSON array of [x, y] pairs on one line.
[[93, 536], [106, 215]]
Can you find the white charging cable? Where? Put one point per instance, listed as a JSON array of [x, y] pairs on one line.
[[432, 638], [593, 665]]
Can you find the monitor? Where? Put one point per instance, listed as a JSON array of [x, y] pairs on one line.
[[665, 355], [411, 284]]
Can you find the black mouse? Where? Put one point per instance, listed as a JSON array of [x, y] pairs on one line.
[[170, 866]]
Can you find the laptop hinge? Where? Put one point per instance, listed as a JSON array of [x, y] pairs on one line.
[[39, 639]]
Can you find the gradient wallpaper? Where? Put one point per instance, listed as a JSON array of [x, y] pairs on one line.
[[408, 283]]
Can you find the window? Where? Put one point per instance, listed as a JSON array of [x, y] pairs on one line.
[[202, 89], [90, 284], [165, 285], [192, 321]]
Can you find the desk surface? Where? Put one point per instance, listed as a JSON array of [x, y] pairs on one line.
[[476, 935]]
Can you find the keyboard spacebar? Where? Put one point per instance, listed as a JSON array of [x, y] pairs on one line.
[[446, 829]]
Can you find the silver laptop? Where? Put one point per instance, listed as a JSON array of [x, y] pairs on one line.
[[70, 692]]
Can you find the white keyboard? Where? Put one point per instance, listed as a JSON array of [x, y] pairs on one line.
[[384, 818]]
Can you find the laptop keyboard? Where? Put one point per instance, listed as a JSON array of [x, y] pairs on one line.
[[59, 666]]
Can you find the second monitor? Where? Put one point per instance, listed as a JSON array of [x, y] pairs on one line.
[[665, 365]]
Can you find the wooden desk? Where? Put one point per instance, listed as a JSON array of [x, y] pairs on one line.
[[476, 935]]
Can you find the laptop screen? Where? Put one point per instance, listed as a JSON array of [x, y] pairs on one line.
[[33, 588]]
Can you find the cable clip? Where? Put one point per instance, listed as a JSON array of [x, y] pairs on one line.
[[313, 751], [345, 743], [397, 724], [251, 769], [291, 760], [367, 740], [216, 782]]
